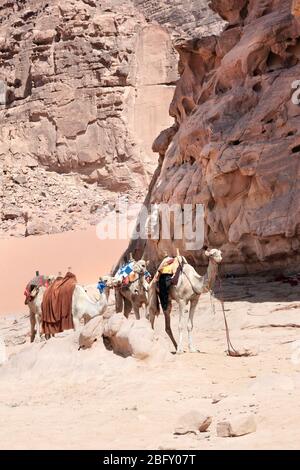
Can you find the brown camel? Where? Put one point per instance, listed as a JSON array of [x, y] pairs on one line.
[[135, 294]]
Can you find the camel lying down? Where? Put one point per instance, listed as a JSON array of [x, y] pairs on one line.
[[83, 307]]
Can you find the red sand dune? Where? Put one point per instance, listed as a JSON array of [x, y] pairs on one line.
[[88, 257]]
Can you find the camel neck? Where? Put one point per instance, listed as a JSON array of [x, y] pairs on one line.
[[211, 274]]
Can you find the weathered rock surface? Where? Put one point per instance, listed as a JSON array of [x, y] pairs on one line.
[[185, 17], [91, 332], [235, 145], [129, 337], [238, 426], [49, 202], [193, 421], [85, 87]]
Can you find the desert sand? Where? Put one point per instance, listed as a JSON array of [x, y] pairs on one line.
[[87, 255], [55, 397]]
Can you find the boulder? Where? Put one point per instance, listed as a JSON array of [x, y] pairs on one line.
[[237, 426], [193, 422], [91, 332], [131, 337]]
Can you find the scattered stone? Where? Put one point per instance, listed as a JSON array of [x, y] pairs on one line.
[[193, 422], [217, 398], [238, 426]]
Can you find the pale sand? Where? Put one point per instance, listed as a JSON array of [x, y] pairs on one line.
[[88, 256], [69, 399]]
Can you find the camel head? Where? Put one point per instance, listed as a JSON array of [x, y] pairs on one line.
[[51, 278], [109, 281], [214, 254], [140, 267]]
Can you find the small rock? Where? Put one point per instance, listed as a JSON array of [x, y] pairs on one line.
[[19, 179], [217, 398], [193, 422], [238, 426]]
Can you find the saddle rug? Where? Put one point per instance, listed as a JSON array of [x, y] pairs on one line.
[[167, 275], [36, 282], [57, 305]]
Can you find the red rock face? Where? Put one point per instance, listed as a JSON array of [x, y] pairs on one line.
[[84, 88], [237, 147]]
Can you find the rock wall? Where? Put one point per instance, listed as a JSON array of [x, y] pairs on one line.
[[235, 144], [188, 18], [85, 87]]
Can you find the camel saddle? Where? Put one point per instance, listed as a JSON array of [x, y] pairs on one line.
[[171, 266], [57, 305], [33, 286]]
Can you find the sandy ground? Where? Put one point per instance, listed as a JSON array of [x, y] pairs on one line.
[[87, 255], [93, 399]]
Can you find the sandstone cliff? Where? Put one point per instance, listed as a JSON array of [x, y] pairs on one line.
[[188, 18], [235, 144], [84, 88]]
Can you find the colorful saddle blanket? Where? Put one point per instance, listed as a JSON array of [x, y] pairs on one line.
[[124, 271], [126, 274], [37, 281]]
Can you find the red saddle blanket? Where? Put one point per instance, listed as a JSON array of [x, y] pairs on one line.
[[37, 281], [57, 305]]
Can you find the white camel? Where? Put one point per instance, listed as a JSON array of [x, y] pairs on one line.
[[83, 307], [188, 289]]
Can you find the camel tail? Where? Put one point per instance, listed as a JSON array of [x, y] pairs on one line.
[[153, 300]]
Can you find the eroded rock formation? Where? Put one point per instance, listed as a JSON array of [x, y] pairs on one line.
[[84, 88], [235, 144], [189, 18]]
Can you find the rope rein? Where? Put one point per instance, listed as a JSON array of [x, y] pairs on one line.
[[231, 351]]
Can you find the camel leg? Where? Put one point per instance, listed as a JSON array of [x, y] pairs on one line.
[[136, 310], [182, 306], [32, 327], [152, 318], [127, 307], [76, 323], [38, 326], [167, 314], [190, 325], [146, 312]]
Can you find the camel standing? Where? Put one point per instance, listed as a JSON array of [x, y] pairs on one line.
[[35, 312], [83, 307], [135, 294], [189, 287]]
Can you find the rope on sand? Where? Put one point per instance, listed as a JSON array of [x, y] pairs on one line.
[[231, 351]]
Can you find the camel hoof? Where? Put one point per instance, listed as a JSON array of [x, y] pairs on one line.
[[180, 351], [194, 350]]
